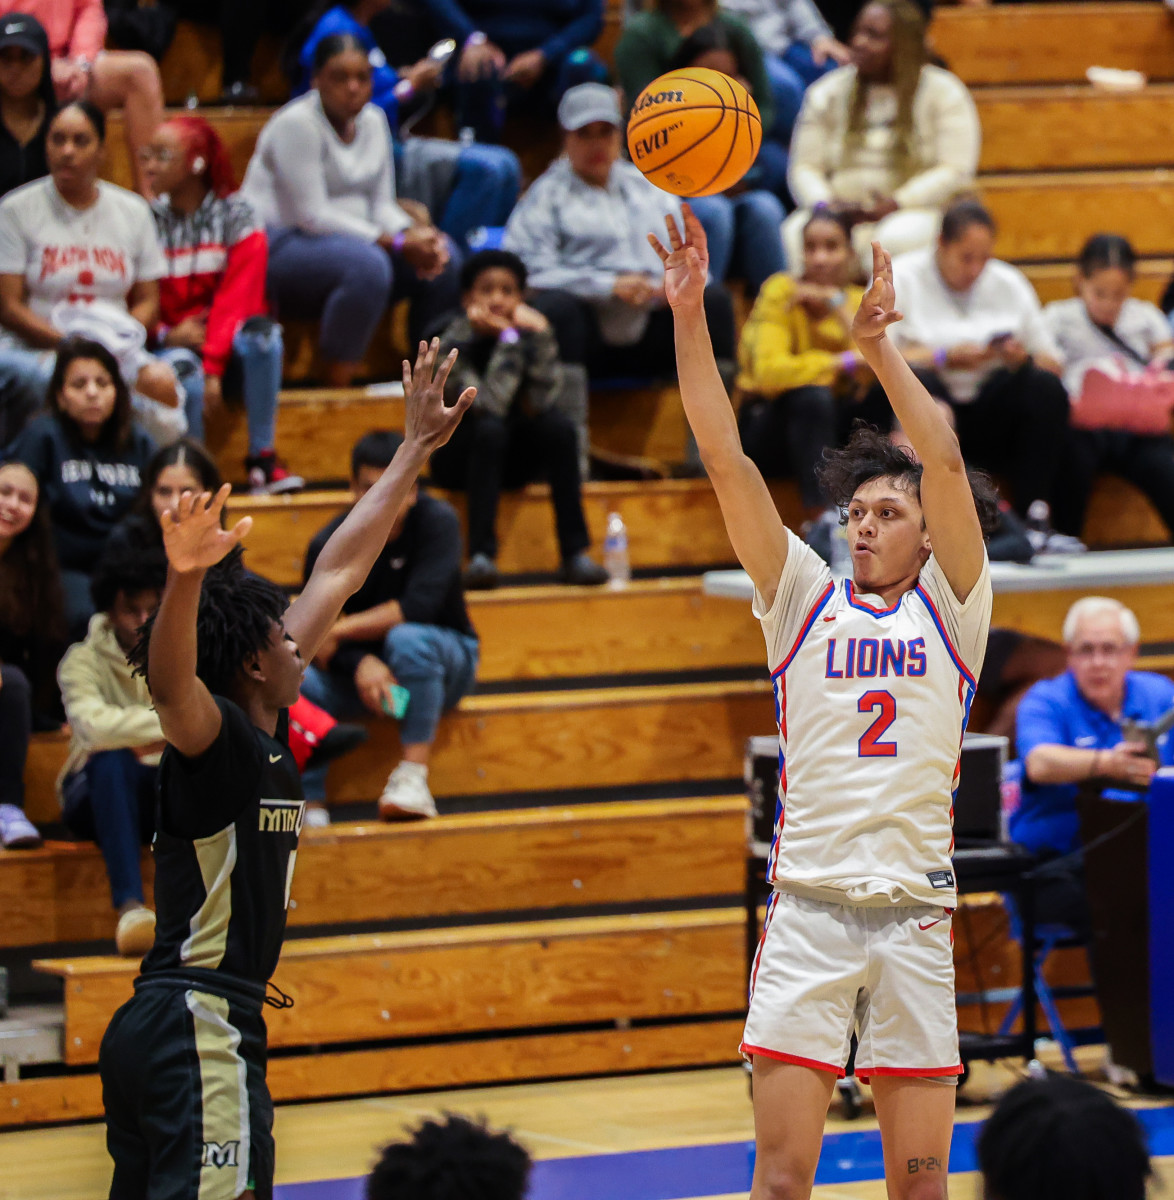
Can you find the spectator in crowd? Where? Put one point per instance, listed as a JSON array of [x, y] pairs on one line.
[[795, 360], [798, 46], [886, 141], [81, 256], [743, 223], [212, 299], [974, 325], [451, 1159], [84, 70], [27, 101], [404, 646], [511, 51], [1104, 322], [88, 456], [1060, 1138], [464, 186], [340, 246], [1069, 734], [514, 433], [582, 231], [651, 42], [32, 636], [107, 786]]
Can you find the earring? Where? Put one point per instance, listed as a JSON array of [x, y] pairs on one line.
[[198, 164]]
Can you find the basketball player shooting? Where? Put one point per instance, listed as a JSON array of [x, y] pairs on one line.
[[188, 1113], [873, 681]]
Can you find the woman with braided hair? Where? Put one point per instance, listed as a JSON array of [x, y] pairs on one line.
[[213, 324], [885, 141]]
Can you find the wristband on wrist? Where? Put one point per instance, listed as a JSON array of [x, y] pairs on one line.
[[404, 91], [940, 357], [397, 242], [509, 336], [848, 361], [477, 38]]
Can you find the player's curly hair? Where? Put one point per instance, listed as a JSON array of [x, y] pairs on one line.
[[235, 622], [1060, 1138], [453, 1159], [870, 455]]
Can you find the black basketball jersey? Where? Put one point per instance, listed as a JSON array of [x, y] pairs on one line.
[[228, 826]]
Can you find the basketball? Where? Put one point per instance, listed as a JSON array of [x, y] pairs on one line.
[[694, 132]]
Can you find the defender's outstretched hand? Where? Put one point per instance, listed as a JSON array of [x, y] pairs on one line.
[[686, 265], [192, 536], [428, 421], [877, 309]]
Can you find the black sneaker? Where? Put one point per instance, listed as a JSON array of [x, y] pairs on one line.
[[583, 571], [268, 475], [481, 573]]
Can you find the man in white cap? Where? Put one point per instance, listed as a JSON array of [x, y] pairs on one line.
[[582, 232]]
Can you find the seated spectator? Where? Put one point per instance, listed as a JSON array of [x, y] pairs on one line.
[[107, 786], [974, 326], [582, 231], [88, 456], [1060, 1138], [340, 246], [84, 70], [404, 646], [212, 299], [887, 141], [451, 1159], [514, 433], [81, 256], [1104, 322], [1069, 734], [798, 46], [651, 42], [513, 53], [32, 637], [464, 186], [743, 223], [795, 359], [27, 101]]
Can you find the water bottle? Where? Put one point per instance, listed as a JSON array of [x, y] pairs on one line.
[[468, 135], [1039, 524], [615, 552]]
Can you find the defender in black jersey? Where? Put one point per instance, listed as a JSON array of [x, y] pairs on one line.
[[188, 1115]]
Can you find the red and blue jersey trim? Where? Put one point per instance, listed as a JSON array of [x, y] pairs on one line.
[[816, 609], [936, 617], [857, 603]]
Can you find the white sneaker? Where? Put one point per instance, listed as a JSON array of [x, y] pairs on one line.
[[17, 832], [405, 795], [316, 816]]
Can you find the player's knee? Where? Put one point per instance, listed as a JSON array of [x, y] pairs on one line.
[[923, 1186], [781, 1183]]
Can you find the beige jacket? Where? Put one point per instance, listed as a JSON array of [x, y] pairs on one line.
[[947, 139], [108, 708]]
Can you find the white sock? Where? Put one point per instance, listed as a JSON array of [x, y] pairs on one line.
[[413, 768]]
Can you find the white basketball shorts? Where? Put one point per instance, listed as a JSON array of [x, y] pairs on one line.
[[824, 971]]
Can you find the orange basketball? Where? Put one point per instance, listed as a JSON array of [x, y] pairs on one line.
[[694, 132]]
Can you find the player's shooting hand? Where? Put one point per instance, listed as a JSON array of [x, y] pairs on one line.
[[878, 308], [192, 535], [428, 421], [686, 263]]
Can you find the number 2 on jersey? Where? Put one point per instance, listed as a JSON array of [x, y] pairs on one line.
[[870, 744]]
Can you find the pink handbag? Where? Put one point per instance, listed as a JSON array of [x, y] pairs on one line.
[[1115, 396]]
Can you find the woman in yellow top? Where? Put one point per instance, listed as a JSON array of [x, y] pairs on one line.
[[795, 359]]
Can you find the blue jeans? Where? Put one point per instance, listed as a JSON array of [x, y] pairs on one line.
[[346, 284], [790, 75], [745, 235], [438, 666], [257, 355], [111, 801], [484, 190]]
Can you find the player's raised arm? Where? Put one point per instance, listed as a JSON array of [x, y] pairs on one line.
[[348, 556], [194, 542], [951, 518], [753, 523]]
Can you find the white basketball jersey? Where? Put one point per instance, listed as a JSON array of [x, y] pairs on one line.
[[871, 703]]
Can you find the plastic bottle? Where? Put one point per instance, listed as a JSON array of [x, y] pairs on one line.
[[1039, 524], [615, 552]]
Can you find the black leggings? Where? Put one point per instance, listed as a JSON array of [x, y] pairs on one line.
[[653, 357], [787, 435], [16, 723]]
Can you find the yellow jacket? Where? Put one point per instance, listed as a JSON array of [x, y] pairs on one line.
[[782, 349], [108, 707]]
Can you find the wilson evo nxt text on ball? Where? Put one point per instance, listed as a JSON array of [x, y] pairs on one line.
[[694, 132]]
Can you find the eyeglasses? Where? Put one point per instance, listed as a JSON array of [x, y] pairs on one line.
[[156, 154], [1089, 650]]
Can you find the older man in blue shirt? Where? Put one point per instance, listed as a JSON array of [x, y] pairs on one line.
[[1069, 733]]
